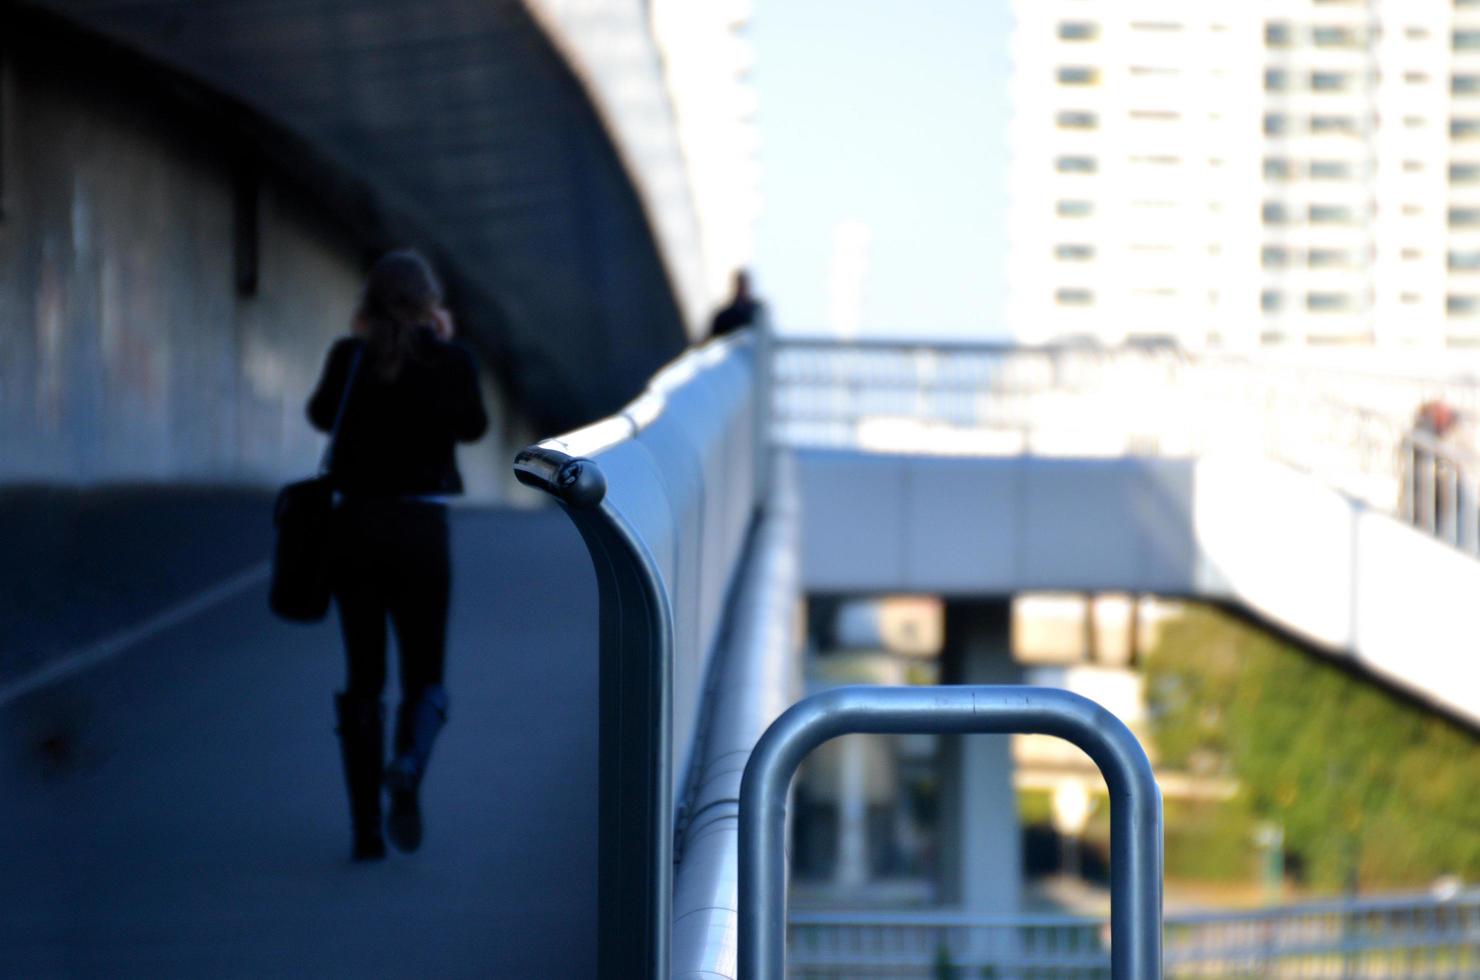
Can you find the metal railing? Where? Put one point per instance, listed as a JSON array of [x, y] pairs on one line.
[[664, 494], [1135, 801], [1418, 937], [1348, 425]]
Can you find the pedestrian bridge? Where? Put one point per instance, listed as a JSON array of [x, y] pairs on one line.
[[171, 803], [175, 809], [808, 439]]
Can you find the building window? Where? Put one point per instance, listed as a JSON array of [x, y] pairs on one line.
[[1274, 256], [1074, 208], [1331, 169], [1329, 81], [1165, 26], [1271, 301], [1077, 119], [1161, 70], [1467, 261], [1078, 75], [1465, 84], [1414, 122], [1278, 168], [1156, 159], [1327, 302], [1073, 252], [1275, 213], [1328, 258], [1464, 173], [1336, 36], [1076, 165], [1464, 128], [1073, 297], [1462, 217], [1415, 32], [1329, 214], [1333, 124], [1413, 166], [1078, 30], [1461, 305], [1155, 115], [1466, 40], [1276, 123], [1278, 34], [1411, 254], [1276, 80], [1416, 77], [1410, 298]]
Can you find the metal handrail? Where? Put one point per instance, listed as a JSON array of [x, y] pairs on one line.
[[663, 495], [1135, 800]]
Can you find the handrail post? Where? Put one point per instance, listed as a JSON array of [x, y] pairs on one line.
[[1135, 800]]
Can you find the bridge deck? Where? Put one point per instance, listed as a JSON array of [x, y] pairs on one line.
[[188, 818]]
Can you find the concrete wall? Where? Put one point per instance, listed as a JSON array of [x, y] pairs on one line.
[[127, 351]]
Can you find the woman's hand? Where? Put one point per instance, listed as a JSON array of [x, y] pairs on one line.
[[442, 323]]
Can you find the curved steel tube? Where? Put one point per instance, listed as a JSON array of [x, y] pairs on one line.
[[1135, 800]]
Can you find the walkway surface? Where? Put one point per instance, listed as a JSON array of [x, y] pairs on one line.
[[178, 811]]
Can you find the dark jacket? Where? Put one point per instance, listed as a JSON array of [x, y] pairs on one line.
[[740, 313], [397, 436]]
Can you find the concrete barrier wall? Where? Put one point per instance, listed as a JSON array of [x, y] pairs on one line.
[[995, 526], [1352, 581]]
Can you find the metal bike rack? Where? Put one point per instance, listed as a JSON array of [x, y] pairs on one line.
[[1135, 800]]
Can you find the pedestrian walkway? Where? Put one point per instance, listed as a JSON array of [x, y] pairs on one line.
[[178, 810]]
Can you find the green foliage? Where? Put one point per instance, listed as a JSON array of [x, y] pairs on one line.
[[1035, 807], [1361, 781], [1210, 841]]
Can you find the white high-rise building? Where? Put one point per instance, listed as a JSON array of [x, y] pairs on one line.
[[1286, 173]]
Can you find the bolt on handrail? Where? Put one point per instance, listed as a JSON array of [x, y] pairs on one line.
[[1135, 800]]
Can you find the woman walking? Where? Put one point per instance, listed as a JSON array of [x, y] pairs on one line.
[[408, 394]]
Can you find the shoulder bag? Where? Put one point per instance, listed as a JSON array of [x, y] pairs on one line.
[[300, 561]]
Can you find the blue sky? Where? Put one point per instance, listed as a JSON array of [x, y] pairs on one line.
[[892, 113]]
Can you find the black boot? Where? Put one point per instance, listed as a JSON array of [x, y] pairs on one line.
[[417, 723], [362, 744]]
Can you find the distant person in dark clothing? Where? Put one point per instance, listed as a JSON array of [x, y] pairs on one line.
[[742, 310], [413, 394]]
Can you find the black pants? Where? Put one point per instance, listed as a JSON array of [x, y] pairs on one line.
[[391, 561]]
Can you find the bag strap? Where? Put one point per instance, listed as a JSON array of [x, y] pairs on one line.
[[327, 459]]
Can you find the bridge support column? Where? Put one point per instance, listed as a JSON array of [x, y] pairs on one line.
[[981, 850]]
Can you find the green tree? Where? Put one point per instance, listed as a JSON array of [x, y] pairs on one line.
[[1367, 786]]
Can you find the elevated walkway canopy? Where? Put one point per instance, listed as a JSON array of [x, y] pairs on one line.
[[460, 127]]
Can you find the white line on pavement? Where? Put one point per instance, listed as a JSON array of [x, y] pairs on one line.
[[75, 662]]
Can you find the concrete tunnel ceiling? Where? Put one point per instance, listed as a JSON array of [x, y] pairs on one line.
[[454, 123]]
